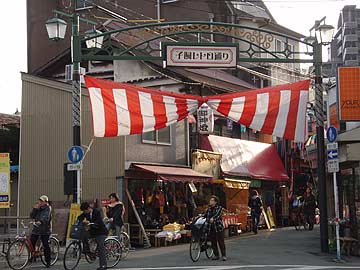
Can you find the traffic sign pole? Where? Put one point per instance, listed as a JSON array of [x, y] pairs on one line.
[[336, 201], [332, 148]]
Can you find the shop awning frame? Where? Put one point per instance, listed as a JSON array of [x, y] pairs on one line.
[[233, 183], [178, 174]]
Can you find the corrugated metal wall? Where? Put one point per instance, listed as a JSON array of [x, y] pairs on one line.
[[46, 135]]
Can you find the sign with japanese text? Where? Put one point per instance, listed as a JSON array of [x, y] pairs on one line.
[[205, 119], [4, 180], [349, 93], [201, 55]]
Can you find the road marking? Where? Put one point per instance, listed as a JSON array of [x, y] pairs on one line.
[[229, 267]]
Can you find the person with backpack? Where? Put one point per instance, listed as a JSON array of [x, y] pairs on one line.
[[256, 208], [91, 217], [41, 214]]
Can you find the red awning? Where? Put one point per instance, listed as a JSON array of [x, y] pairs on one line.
[[247, 158], [166, 173]]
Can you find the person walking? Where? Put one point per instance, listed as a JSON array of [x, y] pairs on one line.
[[216, 227], [92, 217], [256, 208], [309, 207], [41, 214], [115, 212]]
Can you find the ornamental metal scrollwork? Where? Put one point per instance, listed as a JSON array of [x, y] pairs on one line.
[[263, 39]]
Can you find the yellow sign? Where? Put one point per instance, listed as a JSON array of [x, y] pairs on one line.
[[74, 213], [270, 216], [4, 180]]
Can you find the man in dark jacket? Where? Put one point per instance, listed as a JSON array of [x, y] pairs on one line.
[[41, 214], [256, 208], [92, 217], [309, 207]]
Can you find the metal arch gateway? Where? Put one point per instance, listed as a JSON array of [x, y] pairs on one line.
[[143, 42], [257, 41]]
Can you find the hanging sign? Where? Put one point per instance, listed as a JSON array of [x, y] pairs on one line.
[[200, 55], [205, 121], [4, 180], [349, 93]]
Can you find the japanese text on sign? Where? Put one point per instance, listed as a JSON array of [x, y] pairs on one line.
[[205, 120], [4, 180], [201, 56]]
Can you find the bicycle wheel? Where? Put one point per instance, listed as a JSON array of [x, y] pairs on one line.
[[306, 225], [91, 258], [209, 251], [195, 249], [72, 255], [297, 223], [54, 251], [113, 252], [125, 244], [18, 255]]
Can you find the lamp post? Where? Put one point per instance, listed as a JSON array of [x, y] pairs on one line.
[[323, 36], [56, 29]]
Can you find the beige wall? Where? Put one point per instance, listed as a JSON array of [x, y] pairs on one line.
[[46, 134]]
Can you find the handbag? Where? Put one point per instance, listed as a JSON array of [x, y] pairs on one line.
[[77, 230]]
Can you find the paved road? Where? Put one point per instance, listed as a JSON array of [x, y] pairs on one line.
[[284, 249]]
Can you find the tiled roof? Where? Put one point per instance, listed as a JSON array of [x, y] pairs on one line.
[[9, 119]]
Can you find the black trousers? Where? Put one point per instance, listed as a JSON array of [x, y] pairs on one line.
[[217, 238], [45, 242]]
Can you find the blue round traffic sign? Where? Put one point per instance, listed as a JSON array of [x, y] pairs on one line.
[[331, 134], [75, 154]]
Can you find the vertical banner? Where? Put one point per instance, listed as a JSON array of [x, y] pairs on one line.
[[4, 180], [205, 119], [349, 93]]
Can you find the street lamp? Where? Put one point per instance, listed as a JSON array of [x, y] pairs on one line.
[[95, 42], [56, 30], [323, 34]]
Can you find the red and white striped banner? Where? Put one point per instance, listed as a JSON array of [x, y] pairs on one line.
[[124, 109], [278, 110]]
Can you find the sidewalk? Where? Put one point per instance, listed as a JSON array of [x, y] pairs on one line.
[[284, 248]]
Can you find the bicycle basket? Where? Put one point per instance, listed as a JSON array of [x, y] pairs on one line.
[[77, 230]]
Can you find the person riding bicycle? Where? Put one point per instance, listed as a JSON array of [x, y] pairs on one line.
[[309, 207], [41, 214], [91, 218], [115, 212], [216, 227]]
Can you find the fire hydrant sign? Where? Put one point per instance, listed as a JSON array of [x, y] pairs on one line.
[[4, 180], [201, 55]]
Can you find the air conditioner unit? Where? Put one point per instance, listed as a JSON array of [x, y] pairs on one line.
[[69, 73]]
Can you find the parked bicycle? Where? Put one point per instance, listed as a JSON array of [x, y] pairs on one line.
[[74, 250], [21, 251], [124, 240], [199, 240]]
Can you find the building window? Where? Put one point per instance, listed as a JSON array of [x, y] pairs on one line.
[[161, 136], [83, 4], [279, 48]]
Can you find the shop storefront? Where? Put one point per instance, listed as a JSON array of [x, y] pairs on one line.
[[257, 163], [164, 197]]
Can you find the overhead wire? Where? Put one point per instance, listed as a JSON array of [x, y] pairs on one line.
[[239, 67]]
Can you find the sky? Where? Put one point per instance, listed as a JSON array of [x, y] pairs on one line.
[[297, 15]]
